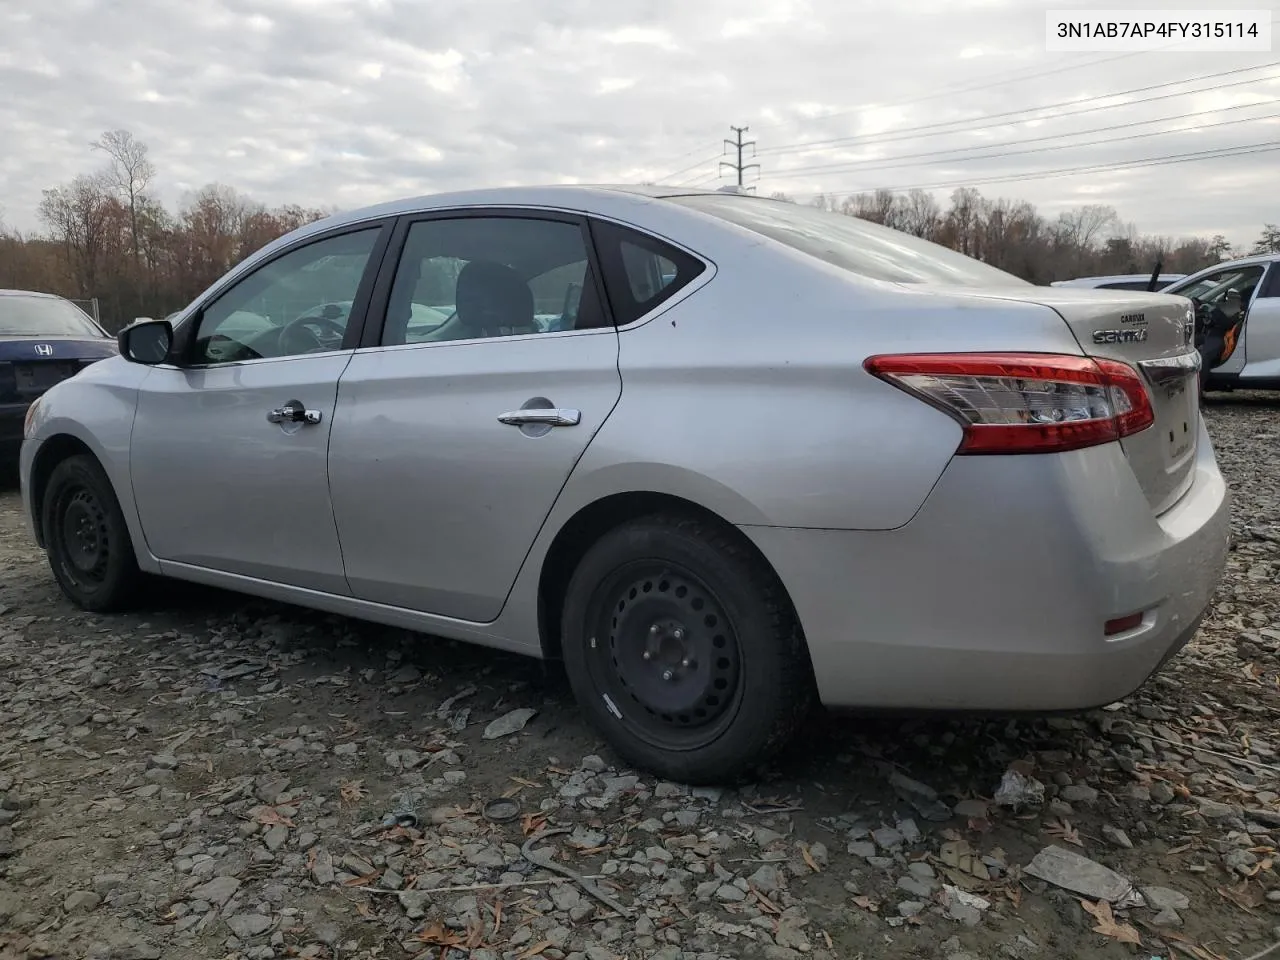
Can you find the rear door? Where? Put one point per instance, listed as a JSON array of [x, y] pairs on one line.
[[465, 410]]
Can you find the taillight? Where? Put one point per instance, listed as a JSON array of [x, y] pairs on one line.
[[1024, 402]]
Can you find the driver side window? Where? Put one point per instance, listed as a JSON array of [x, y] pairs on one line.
[[296, 304]]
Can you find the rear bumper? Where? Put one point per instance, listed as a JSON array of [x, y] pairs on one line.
[[995, 595]]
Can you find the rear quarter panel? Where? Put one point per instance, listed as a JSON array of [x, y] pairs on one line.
[[750, 399]]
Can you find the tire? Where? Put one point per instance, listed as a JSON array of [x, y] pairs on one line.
[[683, 649], [86, 537]]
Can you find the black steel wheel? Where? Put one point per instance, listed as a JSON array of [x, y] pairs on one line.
[[665, 648], [681, 645], [86, 537]]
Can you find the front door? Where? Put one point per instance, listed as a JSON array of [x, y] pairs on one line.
[[1262, 332], [457, 428], [228, 456], [1213, 289]]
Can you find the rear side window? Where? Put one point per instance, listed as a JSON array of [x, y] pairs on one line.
[[640, 271]]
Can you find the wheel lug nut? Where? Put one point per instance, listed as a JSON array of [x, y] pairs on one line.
[[654, 629], [647, 655], [666, 674], [685, 662], [678, 634]]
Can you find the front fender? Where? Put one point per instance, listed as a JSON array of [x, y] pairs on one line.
[[93, 413]]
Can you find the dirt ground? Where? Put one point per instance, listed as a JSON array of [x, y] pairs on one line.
[[219, 777]]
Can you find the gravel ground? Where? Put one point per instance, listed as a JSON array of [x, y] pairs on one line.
[[216, 777]]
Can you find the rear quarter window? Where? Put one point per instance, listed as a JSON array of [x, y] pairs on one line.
[[640, 272]]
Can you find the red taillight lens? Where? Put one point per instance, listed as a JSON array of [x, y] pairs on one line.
[[1025, 402]]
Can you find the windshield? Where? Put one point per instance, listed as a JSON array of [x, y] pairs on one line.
[[856, 245], [44, 317]]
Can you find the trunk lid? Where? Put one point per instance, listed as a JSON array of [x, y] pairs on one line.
[[30, 365], [1151, 332]]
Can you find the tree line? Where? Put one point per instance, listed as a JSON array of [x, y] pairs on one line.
[[105, 235], [1090, 240]]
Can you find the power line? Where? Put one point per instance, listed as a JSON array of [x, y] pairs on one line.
[[692, 166], [889, 136], [931, 157], [1246, 149], [675, 160], [739, 145], [1005, 78]]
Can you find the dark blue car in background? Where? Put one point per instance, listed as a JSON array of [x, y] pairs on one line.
[[43, 339]]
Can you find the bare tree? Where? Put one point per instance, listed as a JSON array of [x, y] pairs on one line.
[[964, 220], [921, 214], [1084, 224], [883, 206], [80, 217], [129, 174]]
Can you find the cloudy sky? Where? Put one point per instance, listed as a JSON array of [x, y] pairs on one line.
[[344, 102]]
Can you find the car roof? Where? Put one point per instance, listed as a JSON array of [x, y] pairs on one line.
[[1257, 258], [1242, 261], [564, 195], [1113, 278]]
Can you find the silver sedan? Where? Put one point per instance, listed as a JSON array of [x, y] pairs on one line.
[[726, 457]]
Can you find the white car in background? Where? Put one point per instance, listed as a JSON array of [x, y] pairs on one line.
[[1244, 355], [1120, 281]]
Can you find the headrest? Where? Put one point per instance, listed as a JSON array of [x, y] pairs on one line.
[[491, 295]]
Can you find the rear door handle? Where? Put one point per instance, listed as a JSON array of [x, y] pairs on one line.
[[293, 412], [552, 416]]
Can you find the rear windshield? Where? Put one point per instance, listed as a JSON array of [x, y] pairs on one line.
[[43, 317], [856, 245]]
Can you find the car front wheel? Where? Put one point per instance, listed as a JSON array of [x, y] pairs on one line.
[[683, 648], [86, 537]]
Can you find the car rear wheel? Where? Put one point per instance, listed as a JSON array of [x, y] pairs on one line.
[[682, 647], [86, 537]]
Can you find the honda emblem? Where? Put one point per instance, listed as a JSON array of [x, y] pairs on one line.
[[44, 349]]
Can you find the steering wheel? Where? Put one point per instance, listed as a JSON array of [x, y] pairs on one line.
[[296, 336]]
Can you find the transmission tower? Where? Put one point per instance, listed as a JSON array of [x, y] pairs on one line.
[[739, 145]]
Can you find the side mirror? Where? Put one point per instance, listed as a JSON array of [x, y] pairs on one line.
[[146, 341]]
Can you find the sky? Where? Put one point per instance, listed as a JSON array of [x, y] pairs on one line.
[[341, 103]]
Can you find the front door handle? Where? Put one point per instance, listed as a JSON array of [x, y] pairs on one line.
[[293, 412], [551, 416]]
